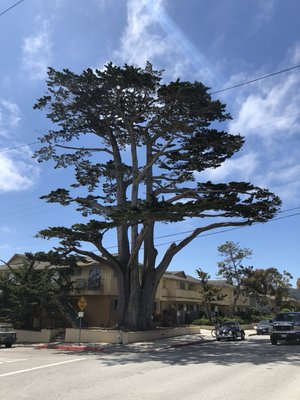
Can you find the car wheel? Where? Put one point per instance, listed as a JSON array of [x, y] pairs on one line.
[[243, 336], [273, 340], [234, 336], [8, 345], [219, 339], [258, 333]]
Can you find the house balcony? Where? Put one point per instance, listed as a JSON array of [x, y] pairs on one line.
[[180, 294], [87, 286]]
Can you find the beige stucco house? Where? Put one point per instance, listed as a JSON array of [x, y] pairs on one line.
[[178, 299]]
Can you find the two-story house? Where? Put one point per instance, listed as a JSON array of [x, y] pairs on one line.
[[178, 299]]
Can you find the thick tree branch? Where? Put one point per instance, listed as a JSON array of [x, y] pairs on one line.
[[175, 248], [112, 262]]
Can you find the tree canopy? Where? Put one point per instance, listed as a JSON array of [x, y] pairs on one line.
[[263, 285], [209, 292], [137, 147], [269, 283], [232, 268], [28, 294]]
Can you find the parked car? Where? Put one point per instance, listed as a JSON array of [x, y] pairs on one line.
[[263, 327], [8, 335], [285, 327], [230, 330]]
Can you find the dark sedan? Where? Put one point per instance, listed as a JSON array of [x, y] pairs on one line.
[[263, 327], [7, 335]]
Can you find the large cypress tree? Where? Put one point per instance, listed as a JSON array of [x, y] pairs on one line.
[[137, 146]]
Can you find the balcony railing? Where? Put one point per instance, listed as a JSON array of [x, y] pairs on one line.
[[88, 284]]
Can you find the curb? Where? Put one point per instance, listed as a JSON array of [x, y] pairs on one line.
[[94, 349], [99, 349]]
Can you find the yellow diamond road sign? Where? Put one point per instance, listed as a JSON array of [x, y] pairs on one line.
[[82, 303]]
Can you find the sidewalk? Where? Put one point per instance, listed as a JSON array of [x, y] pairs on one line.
[[155, 345], [138, 347]]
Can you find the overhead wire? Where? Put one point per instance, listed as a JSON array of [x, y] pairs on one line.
[[210, 233], [17, 147], [9, 8], [257, 79]]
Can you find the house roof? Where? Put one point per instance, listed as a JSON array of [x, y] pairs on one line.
[[179, 276], [17, 260]]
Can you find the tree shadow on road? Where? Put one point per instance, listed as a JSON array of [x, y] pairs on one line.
[[256, 352]]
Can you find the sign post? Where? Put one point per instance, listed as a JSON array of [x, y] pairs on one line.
[[82, 305]]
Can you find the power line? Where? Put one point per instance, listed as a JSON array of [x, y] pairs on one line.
[[210, 233], [17, 147], [9, 8], [229, 229], [256, 79]]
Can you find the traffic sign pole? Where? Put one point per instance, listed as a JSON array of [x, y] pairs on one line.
[[82, 305], [79, 338]]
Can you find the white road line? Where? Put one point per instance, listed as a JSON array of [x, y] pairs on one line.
[[42, 366], [8, 360]]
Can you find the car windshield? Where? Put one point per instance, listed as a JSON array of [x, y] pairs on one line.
[[264, 322], [229, 324], [287, 317]]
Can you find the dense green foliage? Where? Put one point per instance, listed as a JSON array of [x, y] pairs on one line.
[[269, 283], [209, 293], [232, 268], [29, 296]]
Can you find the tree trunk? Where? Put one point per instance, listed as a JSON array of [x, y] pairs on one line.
[[138, 311]]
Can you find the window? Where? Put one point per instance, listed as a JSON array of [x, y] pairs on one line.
[[181, 285], [94, 279]]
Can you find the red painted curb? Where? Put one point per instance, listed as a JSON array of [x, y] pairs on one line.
[[70, 347]]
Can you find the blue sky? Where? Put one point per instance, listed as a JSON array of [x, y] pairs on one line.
[[218, 43]]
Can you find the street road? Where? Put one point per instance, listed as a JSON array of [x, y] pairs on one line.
[[253, 369]]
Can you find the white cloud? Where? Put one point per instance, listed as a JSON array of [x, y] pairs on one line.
[[284, 178], [241, 167], [151, 35], [270, 111], [141, 41], [267, 114], [36, 51], [10, 116], [17, 171]]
